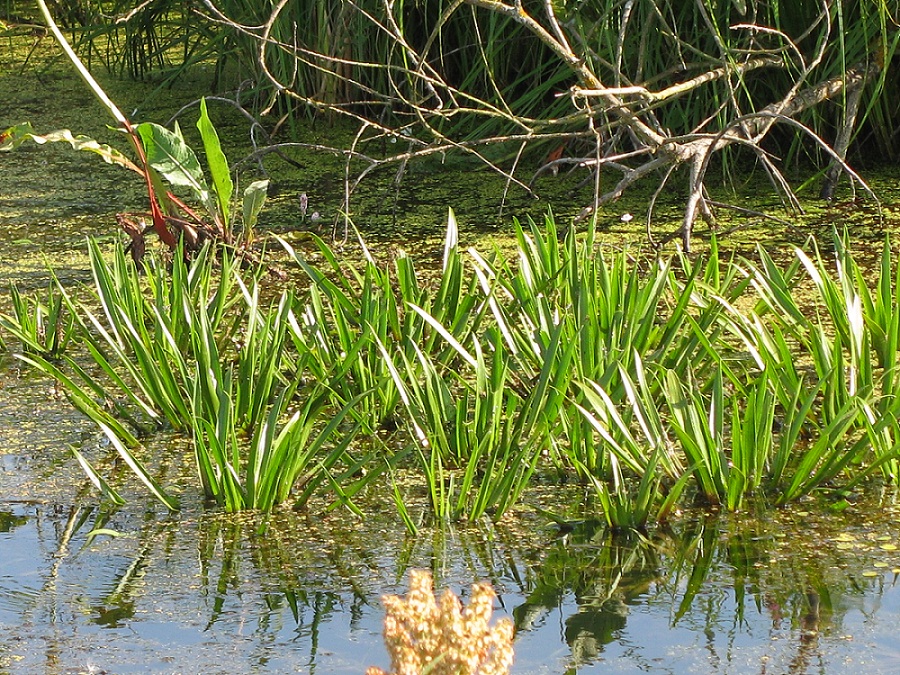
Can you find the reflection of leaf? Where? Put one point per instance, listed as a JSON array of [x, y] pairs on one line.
[[168, 154], [8, 521], [105, 531], [93, 534], [113, 617], [704, 546]]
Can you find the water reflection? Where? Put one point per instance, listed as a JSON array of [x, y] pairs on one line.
[[604, 575], [717, 595], [10, 520], [206, 592]]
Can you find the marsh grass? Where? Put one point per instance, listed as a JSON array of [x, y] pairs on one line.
[[629, 507], [370, 55], [477, 438], [658, 384], [189, 346], [350, 314], [280, 455]]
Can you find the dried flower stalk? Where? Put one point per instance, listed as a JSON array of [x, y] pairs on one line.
[[423, 635]]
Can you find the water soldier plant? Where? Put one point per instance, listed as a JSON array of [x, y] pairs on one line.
[[658, 384], [41, 325]]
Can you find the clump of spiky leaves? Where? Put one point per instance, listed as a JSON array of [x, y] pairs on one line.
[[348, 313], [614, 313], [440, 637], [285, 451], [828, 359], [143, 336], [633, 376], [388, 338], [43, 326], [649, 382], [477, 435], [189, 346], [640, 457], [255, 396], [798, 403]]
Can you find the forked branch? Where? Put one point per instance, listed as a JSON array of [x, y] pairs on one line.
[[622, 112]]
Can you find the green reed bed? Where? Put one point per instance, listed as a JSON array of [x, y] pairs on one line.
[[349, 314], [479, 432], [826, 345], [658, 383], [345, 57]]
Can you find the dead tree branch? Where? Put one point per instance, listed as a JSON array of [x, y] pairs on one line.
[[619, 104]]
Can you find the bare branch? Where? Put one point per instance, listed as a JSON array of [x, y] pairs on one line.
[[625, 111]]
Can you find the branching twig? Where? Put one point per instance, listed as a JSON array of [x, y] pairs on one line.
[[618, 108]]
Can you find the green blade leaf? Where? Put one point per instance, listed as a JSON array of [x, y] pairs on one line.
[[139, 470], [218, 165], [254, 198], [168, 154]]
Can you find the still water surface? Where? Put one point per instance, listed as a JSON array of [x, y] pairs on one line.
[[796, 591]]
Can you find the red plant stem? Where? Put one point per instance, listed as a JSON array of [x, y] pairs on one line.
[[159, 221]]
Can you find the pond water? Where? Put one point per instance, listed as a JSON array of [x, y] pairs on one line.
[[204, 592], [89, 589]]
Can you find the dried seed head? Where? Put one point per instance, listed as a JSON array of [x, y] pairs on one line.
[[442, 638]]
